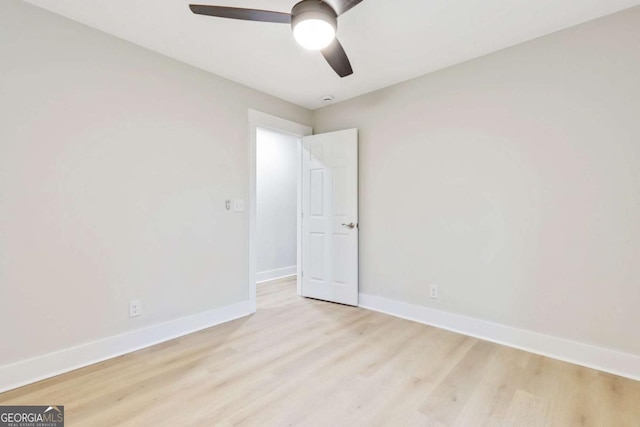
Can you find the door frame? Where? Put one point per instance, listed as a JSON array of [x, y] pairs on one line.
[[258, 119]]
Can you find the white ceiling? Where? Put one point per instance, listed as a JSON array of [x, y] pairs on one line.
[[387, 41]]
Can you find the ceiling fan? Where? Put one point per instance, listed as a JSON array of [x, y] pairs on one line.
[[314, 24]]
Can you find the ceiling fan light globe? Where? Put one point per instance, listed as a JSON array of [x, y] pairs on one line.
[[314, 34]]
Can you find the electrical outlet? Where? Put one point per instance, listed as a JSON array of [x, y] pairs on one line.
[[434, 292], [135, 308]]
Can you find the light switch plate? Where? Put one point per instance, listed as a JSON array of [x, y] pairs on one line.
[[238, 205]]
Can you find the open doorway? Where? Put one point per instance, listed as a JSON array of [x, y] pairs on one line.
[[277, 182], [275, 202], [327, 185]]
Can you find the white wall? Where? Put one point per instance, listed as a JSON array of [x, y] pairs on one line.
[[114, 166], [513, 182], [277, 166]]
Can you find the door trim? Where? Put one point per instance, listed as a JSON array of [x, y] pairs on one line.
[[258, 119]]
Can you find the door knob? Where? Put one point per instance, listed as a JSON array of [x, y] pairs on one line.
[[350, 226]]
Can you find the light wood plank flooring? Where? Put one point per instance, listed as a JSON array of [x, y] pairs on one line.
[[301, 362]]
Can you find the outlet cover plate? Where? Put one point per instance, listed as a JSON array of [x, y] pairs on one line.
[[434, 292], [135, 308]]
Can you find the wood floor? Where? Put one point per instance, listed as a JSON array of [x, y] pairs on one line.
[[301, 362]]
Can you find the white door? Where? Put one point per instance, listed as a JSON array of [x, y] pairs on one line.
[[330, 217]]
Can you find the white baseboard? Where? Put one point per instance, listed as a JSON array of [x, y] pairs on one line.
[[279, 280], [602, 359], [265, 276], [49, 365]]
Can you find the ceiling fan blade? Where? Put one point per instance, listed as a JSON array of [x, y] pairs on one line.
[[337, 58], [342, 6], [244, 14]]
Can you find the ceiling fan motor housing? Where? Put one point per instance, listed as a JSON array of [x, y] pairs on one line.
[[313, 9]]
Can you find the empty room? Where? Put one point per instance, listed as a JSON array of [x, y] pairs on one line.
[[320, 213]]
